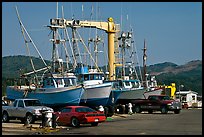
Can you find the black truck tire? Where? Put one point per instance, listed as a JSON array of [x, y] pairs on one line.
[[137, 109]]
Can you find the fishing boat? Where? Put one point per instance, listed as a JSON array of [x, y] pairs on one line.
[[96, 91], [129, 83], [56, 91], [151, 85], [153, 88], [55, 86]]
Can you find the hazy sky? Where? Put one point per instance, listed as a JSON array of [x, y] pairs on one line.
[[172, 30]]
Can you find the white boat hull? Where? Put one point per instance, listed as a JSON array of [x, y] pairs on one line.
[[153, 92], [96, 95], [132, 94]]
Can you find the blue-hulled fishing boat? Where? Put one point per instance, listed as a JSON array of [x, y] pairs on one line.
[[55, 86]]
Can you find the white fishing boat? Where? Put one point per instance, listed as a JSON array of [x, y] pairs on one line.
[[96, 91]]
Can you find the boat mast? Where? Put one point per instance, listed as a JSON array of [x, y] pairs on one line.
[[110, 27], [144, 66]]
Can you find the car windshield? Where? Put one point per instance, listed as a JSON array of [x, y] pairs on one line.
[[84, 109], [32, 103]]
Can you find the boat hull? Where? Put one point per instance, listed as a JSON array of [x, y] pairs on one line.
[[96, 95], [133, 94], [115, 94], [153, 92], [48, 96]]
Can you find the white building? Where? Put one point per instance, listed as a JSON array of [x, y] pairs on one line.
[[189, 97]]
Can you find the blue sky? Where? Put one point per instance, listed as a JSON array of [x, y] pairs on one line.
[[172, 30]]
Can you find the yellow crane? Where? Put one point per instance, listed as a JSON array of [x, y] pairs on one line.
[[109, 27]]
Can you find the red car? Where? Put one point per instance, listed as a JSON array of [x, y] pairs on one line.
[[76, 115]]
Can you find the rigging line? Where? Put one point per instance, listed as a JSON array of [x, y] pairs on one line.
[[82, 8], [48, 68], [26, 42], [66, 52], [80, 59], [90, 34], [133, 60], [55, 38], [137, 58], [68, 39], [96, 17], [23, 28], [64, 44], [88, 51]]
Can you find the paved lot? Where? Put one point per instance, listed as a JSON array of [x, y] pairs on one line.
[[188, 122]]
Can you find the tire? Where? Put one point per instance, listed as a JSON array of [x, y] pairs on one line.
[[94, 124], [121, 109], [106, 111], [137, 109], [5, 117], [111, 111], [176, 111], [164, 110], [150, 111], [29, 118], [75, 122]]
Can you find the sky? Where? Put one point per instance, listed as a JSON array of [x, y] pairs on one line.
[[172, 30]]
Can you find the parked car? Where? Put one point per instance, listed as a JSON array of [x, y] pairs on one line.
[[76, 115], [27, 110]]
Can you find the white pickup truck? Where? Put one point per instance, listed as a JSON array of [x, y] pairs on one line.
[[27, 110]]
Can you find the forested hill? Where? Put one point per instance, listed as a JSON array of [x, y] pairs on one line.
[[189, 74]]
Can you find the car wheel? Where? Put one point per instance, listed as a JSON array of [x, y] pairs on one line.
[[75, 122], [176, 111], [137, 109], [150, 111], [29, 118], [164, 110], [5, 117], [94, 124]]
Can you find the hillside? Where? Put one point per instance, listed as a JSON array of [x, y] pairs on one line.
[[189, 74]]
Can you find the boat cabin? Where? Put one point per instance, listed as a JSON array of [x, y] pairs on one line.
[[58, 81], [89, 77]]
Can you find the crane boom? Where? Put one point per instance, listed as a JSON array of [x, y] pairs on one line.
[[109, 27]]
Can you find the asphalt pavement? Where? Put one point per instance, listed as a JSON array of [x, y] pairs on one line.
[[188, 122]]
